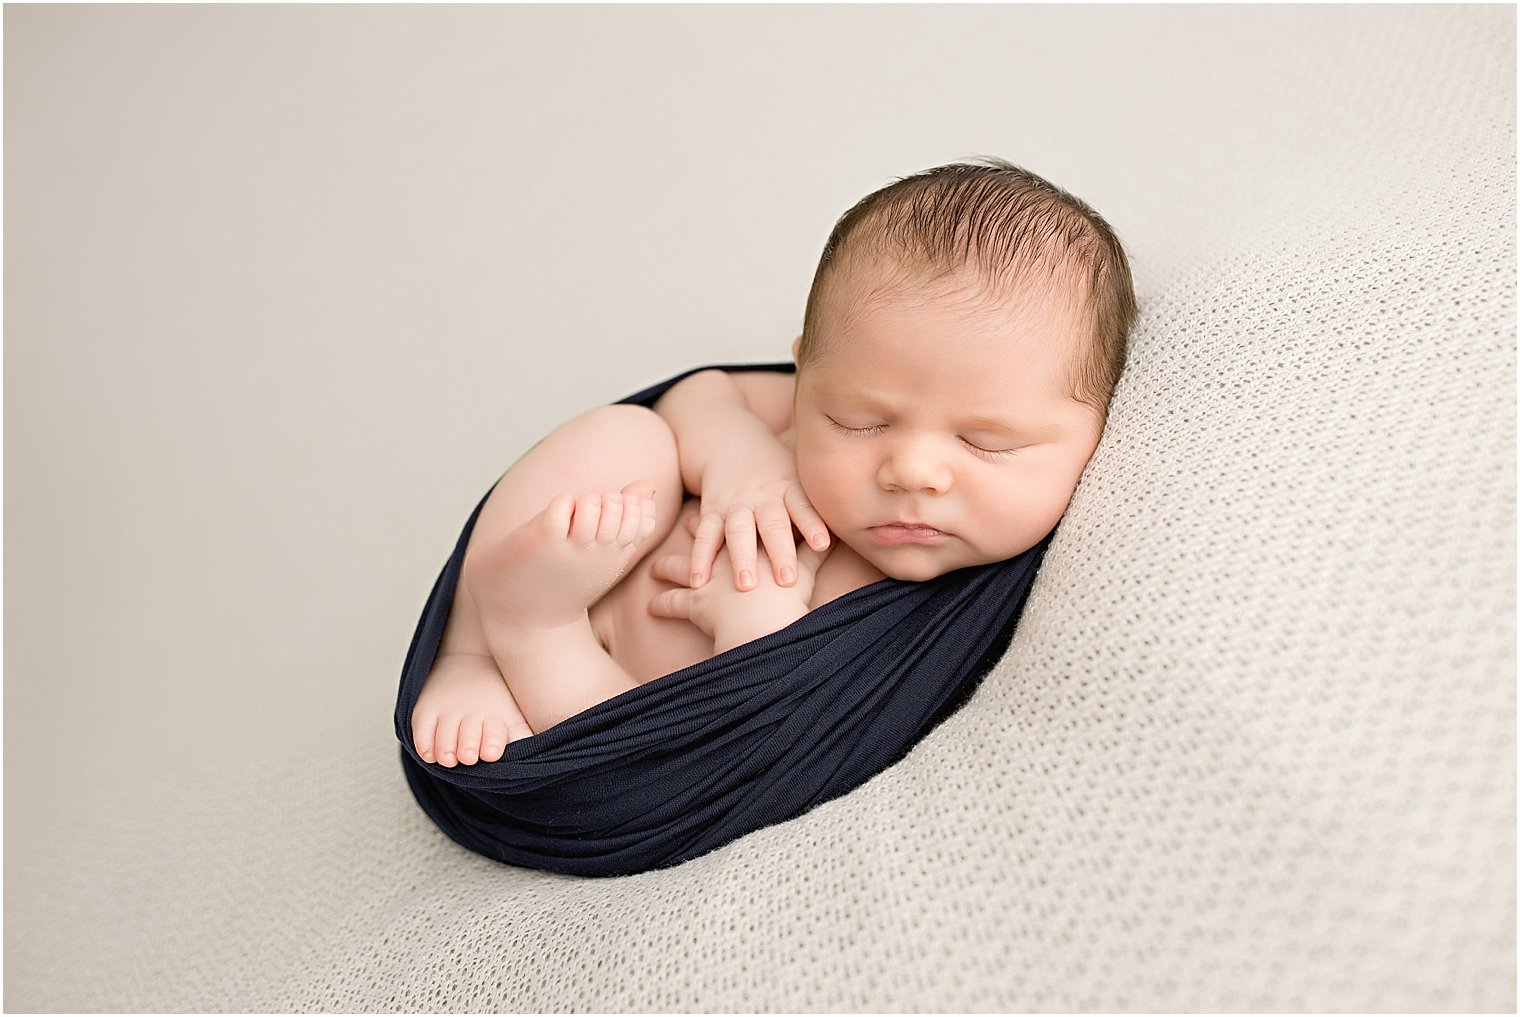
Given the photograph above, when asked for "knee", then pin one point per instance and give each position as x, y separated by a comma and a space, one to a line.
636, 428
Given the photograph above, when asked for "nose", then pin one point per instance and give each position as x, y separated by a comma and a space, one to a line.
913, 464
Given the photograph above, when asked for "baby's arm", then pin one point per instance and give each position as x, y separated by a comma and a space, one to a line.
746, 477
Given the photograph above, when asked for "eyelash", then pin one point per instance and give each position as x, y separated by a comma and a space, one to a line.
991, 453
873, 429
985, 453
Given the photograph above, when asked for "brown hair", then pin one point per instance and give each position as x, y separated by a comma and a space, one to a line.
1004, 221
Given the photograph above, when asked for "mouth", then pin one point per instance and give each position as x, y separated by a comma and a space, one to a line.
906, 533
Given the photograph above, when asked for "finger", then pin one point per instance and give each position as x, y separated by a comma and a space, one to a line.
673, 568
671, 604
612, 518
776, 534
739, 532
691, 523
704, 549
809, 523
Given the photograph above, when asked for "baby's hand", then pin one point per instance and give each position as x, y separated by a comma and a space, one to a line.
734, 514
731, 616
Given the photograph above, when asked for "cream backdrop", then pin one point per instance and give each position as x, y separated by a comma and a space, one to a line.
287, 287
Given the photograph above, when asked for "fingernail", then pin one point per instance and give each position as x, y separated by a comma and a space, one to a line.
788, 577
696, 580
746, 579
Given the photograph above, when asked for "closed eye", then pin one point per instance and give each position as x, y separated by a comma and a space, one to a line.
836, 425
990, 453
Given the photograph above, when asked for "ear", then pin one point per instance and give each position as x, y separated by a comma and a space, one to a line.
796, 345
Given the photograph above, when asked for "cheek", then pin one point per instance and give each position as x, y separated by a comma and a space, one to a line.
827, 475
1015, 509
1048, 497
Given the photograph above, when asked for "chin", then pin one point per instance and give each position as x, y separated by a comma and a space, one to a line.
915, 570
918, 568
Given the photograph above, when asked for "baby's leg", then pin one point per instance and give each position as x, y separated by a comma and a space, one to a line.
559, 529
533, 588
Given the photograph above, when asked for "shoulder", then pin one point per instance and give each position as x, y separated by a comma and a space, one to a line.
843, 571
768, 395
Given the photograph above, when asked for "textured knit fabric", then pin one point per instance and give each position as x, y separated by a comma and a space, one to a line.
1253, 746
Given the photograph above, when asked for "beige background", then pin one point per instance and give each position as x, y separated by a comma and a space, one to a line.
287, 287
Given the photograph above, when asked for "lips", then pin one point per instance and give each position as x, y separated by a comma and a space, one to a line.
906, 533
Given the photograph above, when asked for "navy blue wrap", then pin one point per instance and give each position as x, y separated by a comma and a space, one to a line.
754, 736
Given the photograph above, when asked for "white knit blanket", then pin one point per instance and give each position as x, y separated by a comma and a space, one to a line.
1253, 747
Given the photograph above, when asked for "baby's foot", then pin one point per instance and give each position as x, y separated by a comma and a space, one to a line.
549, 570
465, 713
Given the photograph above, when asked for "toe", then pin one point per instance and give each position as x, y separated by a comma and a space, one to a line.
424, 731
447, 741
556, 518
469, 741
633, 520
517, 728
588, 515
493, 739
612, 518
647, 518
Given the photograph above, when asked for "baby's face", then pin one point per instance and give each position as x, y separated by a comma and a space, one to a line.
937, 431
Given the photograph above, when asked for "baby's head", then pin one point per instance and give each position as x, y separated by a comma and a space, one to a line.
962, 339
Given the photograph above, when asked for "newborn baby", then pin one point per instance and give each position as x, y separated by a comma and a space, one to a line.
964, 332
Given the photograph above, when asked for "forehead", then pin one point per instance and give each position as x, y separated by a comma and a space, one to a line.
946, 336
